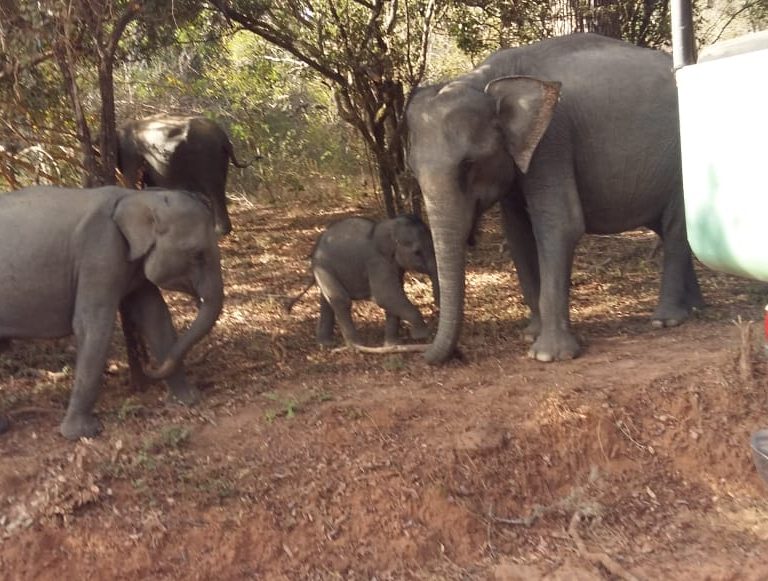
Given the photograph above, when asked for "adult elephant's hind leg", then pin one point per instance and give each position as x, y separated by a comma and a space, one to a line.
135, 348
148, 311
680, 292
391, 329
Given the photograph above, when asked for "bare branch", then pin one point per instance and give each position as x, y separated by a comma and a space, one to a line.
254, 24
13, 68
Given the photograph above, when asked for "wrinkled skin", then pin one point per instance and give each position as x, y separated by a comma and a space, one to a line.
180, 152
572, 135
356, 259
71, 258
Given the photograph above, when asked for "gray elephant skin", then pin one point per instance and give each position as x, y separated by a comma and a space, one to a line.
572, 135
71, 258
359, 259
179, 152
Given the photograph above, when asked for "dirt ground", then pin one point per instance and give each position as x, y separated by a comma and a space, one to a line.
631, 461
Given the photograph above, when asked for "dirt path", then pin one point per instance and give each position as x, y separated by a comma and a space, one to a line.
631, 461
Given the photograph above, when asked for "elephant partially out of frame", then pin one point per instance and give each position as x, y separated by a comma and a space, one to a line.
572, 135
179, 152
71, 259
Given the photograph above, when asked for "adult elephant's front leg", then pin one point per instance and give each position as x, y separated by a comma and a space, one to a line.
93, 327
522, 247
558, 225
147, 311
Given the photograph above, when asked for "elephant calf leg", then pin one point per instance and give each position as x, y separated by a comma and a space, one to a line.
338, 299
325, 323
149, 313
397, 305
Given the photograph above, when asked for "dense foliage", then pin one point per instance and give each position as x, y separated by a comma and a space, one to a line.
318, 88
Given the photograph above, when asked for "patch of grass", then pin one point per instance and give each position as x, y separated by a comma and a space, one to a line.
289, 406
286, 407
171, 438
221, 488
130, 408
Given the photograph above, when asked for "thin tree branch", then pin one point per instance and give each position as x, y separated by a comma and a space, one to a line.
735, 15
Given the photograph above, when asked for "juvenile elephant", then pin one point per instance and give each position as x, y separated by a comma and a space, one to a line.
71, 258
573, 135
182, 152
356, 259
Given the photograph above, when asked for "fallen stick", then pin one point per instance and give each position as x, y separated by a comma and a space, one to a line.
597, 558
413, 348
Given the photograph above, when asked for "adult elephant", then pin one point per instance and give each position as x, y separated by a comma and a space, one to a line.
70, 259
179, 152
573, 134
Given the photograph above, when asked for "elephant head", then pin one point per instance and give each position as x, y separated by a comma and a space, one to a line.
466, 145
407, 241
171, 234
181, 152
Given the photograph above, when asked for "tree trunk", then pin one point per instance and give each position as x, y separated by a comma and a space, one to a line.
66, 66
108, 141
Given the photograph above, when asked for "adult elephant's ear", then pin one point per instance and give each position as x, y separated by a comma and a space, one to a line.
138, 224
524, 106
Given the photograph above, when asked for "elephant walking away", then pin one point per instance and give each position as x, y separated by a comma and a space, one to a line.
179, 152
572, 135
70, 259
359, 259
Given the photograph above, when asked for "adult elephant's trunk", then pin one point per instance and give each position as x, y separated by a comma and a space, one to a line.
211, 302
450, 223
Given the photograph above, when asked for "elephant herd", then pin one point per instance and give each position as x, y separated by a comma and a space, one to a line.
571, 135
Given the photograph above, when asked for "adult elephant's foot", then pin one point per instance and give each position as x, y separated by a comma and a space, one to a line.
554, 347
76, 426
669, 316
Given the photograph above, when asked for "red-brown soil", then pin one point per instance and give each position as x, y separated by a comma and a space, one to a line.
302, 463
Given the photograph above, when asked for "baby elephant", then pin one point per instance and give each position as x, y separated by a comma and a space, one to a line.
356, 259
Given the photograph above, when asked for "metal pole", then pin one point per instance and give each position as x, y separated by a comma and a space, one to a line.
683, 40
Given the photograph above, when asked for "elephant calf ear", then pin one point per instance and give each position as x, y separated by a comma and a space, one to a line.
137, 223
524, 106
